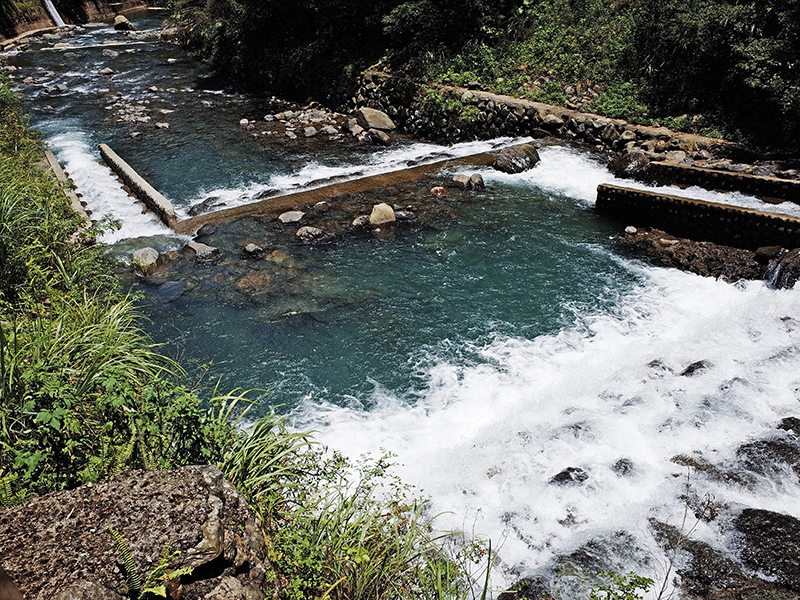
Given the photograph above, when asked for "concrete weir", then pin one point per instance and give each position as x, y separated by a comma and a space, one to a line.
699, 220
667, 173
140, 188
61, 176
306, 197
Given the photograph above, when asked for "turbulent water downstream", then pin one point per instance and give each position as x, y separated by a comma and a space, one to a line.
501, 343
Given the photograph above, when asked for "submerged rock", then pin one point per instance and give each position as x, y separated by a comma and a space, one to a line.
517, 159
169, 291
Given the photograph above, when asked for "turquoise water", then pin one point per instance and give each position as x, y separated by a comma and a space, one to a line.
363, 312
494, 343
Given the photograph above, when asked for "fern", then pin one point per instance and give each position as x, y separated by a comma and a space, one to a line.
156, 581
131, 574
9, 496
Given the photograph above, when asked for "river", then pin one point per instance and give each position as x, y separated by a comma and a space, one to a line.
492, 346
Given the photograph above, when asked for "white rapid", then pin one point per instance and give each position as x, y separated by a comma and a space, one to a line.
103, 193
609, 394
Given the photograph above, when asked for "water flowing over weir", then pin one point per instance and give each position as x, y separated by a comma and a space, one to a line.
545, 391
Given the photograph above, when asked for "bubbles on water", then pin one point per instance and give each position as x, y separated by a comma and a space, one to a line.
610, 402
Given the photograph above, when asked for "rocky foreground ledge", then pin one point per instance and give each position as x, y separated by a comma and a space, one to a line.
58, 547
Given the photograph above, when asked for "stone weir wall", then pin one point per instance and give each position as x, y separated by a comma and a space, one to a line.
73, 12
768, 188
699, 220
450, 115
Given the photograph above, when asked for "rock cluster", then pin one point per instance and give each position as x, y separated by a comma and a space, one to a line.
365, 125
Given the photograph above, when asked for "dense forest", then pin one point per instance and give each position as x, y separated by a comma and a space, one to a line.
719, 67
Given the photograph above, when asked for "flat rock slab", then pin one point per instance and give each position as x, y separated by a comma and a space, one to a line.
62, 539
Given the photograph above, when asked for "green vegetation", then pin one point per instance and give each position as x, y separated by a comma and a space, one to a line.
713, 66
616, 586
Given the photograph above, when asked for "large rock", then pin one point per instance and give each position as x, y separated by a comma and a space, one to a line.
516, 159
146, 260
771, 544
202, 251
630, 163
381, 214
370, 118
784, 271
60, 543
121, 23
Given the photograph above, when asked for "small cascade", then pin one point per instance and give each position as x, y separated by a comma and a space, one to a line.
51, 9
784, 271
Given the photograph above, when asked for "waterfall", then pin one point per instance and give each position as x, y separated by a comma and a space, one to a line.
54, 13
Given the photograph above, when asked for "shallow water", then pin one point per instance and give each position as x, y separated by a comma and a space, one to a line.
493, 344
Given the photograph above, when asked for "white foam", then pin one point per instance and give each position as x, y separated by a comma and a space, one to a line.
485, 438
317, 173
101, 191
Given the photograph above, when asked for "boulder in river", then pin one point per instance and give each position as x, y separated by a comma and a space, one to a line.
570, 476
202, 251
461, 180
381, 214
370, 118
771, 544
516, 159
121, 23
146, 260
310, 234
291, 216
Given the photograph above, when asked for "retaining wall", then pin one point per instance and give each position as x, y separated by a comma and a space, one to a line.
492, 115
699, 220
